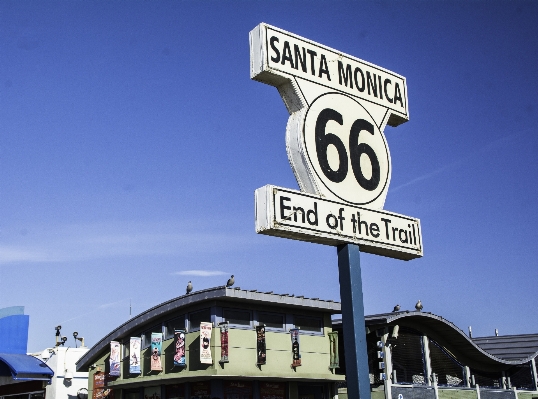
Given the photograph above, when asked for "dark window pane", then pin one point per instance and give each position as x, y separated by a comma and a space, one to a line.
240, 317
171, 325
197, 317
272, 320
308, 323
146, 337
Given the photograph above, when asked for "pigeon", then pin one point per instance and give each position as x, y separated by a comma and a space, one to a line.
396, 308
419, 306
231, 281
189, 287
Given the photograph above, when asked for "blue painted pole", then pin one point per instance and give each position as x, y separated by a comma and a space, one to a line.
349, 268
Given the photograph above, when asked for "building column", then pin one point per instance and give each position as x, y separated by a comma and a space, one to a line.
534, 375
467, 376
427, 360
387, 359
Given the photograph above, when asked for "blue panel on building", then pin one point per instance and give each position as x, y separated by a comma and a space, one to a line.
14, 333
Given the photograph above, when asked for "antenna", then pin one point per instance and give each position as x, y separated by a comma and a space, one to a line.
129, 306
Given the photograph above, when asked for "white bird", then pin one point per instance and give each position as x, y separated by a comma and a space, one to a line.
231, 281
419, 306
396, 308
189, 287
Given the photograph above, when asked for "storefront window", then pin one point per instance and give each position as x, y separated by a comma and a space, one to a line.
272, 390
176, 391
201, 390
311, 392
237, 390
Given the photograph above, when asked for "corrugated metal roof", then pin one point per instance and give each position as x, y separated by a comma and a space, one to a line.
487, 354
510, 347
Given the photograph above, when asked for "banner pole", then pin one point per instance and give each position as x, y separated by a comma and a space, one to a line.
356, 355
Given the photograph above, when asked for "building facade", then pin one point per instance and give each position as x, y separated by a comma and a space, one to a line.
236, 344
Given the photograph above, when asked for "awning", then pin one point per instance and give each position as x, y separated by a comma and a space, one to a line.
24, 367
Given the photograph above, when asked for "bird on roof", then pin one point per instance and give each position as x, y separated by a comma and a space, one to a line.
189, 287
396, 308
231, 281
419, 306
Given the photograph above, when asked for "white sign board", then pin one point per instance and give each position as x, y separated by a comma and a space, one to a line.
289, 213
339, 107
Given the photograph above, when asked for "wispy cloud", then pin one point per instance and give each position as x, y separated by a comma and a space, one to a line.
500, 142
200, 273
84, 242
100, 307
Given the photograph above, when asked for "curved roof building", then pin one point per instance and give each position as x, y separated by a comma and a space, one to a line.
231, 343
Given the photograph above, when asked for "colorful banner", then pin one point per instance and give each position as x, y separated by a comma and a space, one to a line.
272, 390
115, 365
176, 391
260, 344
156, 346
223, 342
237, 389
296, 354
179, 355
205, 343
333, 350
134, 355
200, 390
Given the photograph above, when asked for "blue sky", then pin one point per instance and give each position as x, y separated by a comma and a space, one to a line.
132, 140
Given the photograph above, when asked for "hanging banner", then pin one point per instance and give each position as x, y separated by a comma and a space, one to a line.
223, 342
296, 354
272, 390
179, 355
205, 343
333, 350
115, 369
134, 357
260, 344
156, 346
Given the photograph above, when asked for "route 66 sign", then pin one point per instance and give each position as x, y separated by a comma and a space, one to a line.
339, 106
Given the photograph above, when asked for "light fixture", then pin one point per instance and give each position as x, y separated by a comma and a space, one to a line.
68, 375
81, 339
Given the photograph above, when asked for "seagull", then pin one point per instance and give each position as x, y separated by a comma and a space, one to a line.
396, 308
231, 281
419, 306
189, 287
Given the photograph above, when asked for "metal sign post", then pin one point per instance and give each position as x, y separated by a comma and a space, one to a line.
349, 267
339, 107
